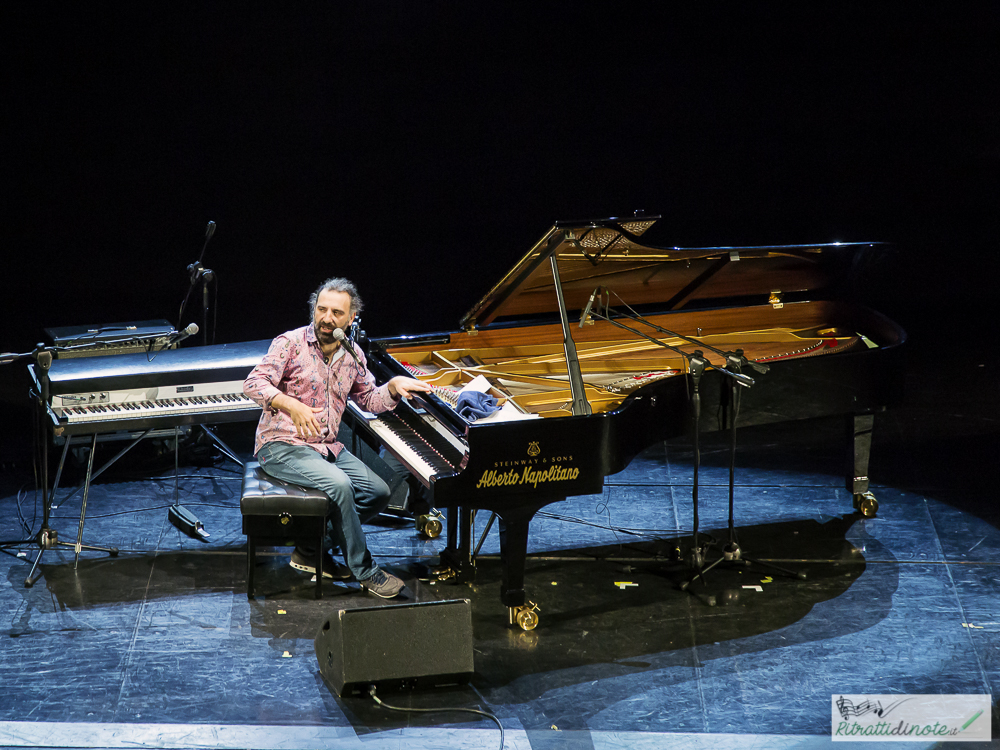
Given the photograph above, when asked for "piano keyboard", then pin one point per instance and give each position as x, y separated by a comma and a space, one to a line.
426, 452
133, 392
157, 402
200, 405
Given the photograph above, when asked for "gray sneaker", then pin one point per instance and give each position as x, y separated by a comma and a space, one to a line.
383, 584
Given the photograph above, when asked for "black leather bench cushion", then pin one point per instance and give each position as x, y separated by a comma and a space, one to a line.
265, 495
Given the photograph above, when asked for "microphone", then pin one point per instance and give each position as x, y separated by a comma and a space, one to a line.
338, 333
191, 330
590, 303
209, 231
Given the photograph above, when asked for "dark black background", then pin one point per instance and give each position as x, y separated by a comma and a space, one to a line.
421, 148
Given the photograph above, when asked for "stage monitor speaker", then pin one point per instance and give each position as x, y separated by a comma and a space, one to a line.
423, 644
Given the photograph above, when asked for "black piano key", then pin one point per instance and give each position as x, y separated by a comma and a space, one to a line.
419, 446
422, 438
439, 442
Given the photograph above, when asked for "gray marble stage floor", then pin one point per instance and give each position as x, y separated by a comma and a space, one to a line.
160, 647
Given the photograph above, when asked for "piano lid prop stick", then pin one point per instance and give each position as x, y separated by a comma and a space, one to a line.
580, 403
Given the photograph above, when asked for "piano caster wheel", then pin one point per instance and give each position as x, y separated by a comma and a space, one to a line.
866, 504
430, 524
525, 616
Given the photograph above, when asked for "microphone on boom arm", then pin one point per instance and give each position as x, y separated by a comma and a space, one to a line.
590, 304
338, 334
191, 330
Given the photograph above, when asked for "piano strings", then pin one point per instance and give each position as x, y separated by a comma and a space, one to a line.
533, 375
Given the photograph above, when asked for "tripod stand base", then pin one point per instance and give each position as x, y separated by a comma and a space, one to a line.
732, 556
49, 539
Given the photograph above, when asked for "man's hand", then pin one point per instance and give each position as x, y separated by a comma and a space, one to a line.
402, 386
303, 417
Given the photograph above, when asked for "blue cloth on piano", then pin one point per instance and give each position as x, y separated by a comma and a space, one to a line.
474, 405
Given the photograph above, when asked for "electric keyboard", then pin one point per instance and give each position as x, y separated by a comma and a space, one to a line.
170, 388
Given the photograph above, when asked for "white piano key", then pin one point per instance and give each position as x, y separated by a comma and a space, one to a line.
112, 412
410, 458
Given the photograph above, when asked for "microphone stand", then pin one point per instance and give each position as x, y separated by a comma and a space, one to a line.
696, 364
197, 273
46, 537
696, 368
757, 366
731, 551
180, 516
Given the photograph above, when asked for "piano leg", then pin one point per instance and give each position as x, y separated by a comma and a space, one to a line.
513, 552
860, 427
456, 558
460, 564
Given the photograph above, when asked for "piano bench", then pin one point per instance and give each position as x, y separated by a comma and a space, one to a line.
281, 514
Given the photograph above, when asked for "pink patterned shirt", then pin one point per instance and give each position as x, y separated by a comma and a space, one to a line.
294, 365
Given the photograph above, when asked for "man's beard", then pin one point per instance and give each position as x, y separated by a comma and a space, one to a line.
322, 336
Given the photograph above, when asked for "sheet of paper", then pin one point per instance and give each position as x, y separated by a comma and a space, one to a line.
506, 413
479, 383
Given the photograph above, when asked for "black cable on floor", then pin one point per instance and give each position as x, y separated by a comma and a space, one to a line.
25, 526
488, 715
649, 533
143, 510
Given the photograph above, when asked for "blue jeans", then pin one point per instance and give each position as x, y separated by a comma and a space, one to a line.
356, 495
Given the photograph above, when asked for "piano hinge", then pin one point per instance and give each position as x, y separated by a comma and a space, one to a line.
775, 300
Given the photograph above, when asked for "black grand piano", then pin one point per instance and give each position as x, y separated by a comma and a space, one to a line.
568, 342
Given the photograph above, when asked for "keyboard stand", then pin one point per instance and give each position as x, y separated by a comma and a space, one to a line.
220, 444
200, 372
48, 537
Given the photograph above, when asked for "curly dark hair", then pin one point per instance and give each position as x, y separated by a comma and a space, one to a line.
336, 284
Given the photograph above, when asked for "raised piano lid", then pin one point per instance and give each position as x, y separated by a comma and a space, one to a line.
609, 253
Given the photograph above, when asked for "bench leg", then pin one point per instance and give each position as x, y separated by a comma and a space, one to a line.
319, 560
251, 564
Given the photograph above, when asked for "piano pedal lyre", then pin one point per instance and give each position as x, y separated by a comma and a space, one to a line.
525, 616
439, 574
866, 504
430, 524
